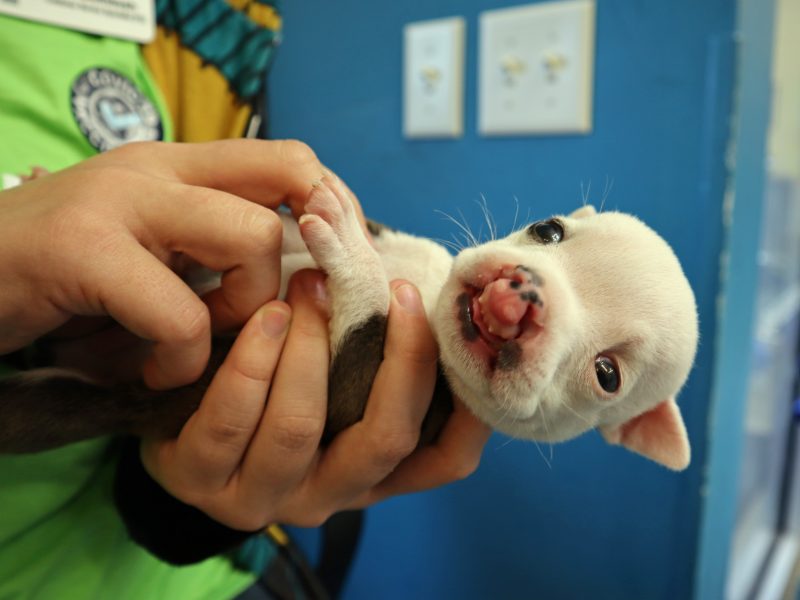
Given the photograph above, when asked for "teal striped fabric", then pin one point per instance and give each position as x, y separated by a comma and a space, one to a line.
223, 37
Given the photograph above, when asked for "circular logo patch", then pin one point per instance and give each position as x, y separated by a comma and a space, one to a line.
111, 111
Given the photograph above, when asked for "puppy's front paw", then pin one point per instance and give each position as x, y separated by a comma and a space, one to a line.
330, 227
357, 280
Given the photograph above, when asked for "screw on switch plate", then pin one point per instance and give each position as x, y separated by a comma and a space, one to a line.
536, 69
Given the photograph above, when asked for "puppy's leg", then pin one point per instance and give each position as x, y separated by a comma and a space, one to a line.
359, 292
47, 408
357, 280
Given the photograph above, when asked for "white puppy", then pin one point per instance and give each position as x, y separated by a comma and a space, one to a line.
577, 322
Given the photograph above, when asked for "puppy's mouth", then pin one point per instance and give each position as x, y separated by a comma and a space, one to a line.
501, 312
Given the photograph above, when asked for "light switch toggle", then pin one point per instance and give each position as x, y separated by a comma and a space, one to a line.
554, 64
431, 77
513, 67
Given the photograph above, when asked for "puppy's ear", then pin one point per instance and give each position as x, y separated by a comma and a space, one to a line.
659, 434
587, 210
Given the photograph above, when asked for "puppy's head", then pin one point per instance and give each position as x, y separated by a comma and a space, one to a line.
572, 323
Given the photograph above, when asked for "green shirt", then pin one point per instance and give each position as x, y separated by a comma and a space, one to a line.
60, 536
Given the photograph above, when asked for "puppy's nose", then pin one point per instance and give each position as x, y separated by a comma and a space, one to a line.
505, 303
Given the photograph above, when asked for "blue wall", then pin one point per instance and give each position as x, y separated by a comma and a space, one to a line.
595, 522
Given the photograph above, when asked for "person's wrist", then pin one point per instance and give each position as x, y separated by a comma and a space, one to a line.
168, 528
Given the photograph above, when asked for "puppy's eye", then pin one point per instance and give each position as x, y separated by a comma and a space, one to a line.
608, 375
547, 232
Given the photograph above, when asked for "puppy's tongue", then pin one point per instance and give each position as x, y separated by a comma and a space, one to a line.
502, 309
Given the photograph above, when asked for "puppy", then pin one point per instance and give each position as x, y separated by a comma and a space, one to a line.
572, 323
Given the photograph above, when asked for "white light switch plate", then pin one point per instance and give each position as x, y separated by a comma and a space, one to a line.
433, 78
536, 69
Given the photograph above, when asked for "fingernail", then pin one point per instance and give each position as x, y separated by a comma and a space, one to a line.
274, 321
408, 297
326, 172
315, 287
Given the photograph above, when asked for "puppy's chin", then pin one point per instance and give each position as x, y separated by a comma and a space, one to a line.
512, 405
516, 417
509, 331
523, 412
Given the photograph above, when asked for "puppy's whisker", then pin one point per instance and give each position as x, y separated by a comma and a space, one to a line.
487, 215
606, 192
509, 404
547, 431
454, 246
506, 408
466, 241
516, 214
544, 458
506, 443
585, 194
566, 405
482, 205
475, 240
467, 232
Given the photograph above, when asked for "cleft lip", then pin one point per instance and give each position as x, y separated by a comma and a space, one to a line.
506, 301
497, 352
484, 329
479, 346
530, 324
469, 330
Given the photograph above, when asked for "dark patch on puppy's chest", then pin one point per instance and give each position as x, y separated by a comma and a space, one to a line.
352, 373
357, 359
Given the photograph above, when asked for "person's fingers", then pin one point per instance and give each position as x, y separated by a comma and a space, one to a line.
211, 445
364, 454
152, 302
404, 383
286, 442
220, 231
269, 172
454, 456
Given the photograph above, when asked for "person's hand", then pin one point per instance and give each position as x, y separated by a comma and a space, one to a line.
250, 455
104, 238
